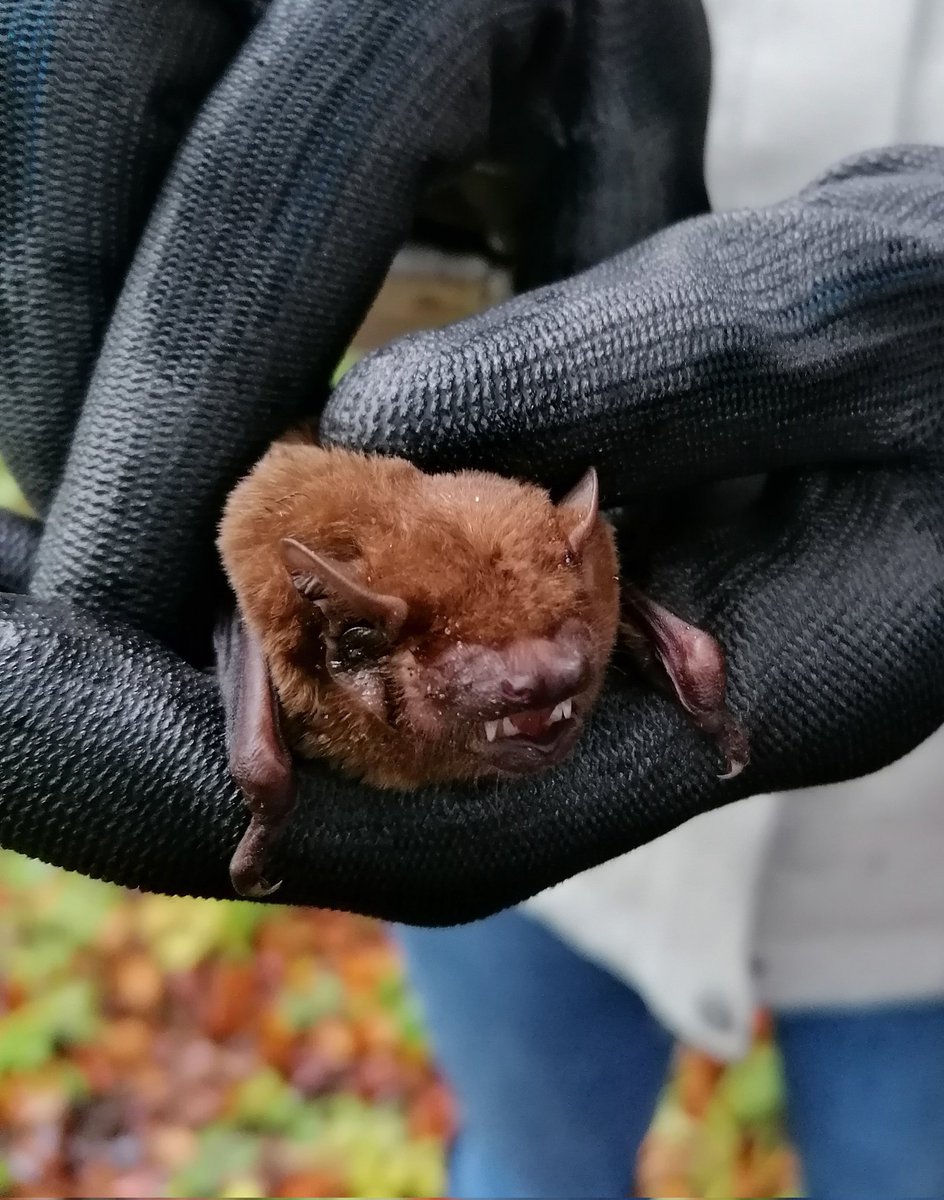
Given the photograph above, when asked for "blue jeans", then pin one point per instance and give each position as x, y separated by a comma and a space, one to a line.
558, 1066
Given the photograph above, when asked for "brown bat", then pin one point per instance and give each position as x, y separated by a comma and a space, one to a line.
412, 628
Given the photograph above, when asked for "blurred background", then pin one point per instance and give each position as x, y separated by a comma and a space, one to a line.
158, 1046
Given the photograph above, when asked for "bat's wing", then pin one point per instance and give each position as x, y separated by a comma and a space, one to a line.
694, 669
260, 761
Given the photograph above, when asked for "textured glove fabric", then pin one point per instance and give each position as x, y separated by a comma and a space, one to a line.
294, 188
95, 96
804, 334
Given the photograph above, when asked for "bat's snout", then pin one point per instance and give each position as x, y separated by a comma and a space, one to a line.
520, 705
541, 673
487, 682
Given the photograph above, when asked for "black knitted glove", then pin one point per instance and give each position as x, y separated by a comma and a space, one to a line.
805, 336
804, 342
297, 182
307, 138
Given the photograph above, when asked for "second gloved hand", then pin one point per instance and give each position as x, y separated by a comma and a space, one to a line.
805, 342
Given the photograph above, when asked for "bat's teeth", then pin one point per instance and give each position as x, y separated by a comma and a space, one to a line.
534, 723
561, 712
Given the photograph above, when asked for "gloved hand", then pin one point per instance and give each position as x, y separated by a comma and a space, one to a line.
804, 342
305, 137
271, 233
307, 160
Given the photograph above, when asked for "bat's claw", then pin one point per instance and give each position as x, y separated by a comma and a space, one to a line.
258, 890
248, 883
733, 744
246, 865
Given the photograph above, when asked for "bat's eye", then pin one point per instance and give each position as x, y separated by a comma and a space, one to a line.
359, 644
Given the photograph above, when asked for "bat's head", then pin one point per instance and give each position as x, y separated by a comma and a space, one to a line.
423, 627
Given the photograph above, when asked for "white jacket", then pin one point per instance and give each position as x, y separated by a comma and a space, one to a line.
833, 895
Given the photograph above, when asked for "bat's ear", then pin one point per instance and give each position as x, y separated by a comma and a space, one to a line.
582, 502
315, 575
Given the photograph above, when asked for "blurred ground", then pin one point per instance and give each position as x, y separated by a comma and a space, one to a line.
156, 1046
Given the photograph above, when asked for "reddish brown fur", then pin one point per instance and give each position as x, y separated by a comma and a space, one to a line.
477, 558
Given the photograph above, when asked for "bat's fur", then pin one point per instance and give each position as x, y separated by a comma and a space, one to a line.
479, 561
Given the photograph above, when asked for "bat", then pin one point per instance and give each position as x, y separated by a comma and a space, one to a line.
414, 628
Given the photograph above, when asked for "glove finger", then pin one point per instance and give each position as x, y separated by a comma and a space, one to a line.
274, 231
809, 333
296, 186
615, 151
97, 96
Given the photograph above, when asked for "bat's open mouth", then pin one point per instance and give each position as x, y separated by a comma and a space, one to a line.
532, 739
531, 723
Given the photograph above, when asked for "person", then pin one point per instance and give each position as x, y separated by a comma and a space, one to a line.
198, 204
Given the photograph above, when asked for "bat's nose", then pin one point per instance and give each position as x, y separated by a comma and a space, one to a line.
541, 672
526, 682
